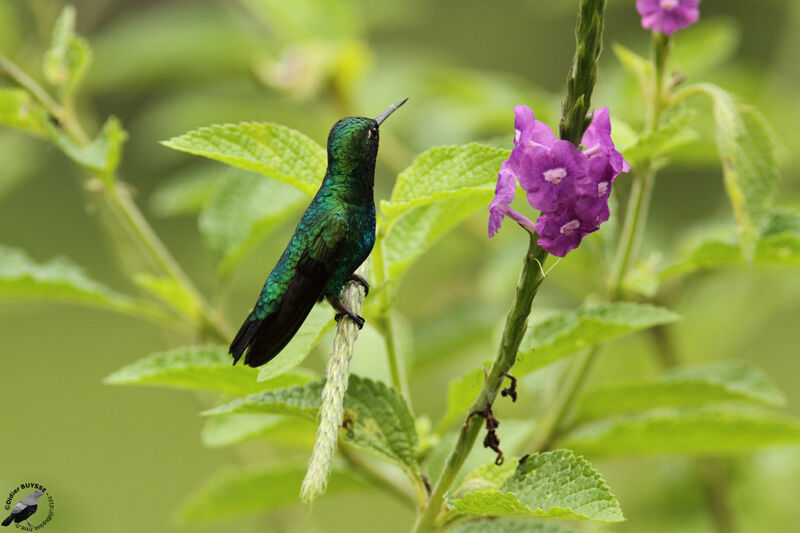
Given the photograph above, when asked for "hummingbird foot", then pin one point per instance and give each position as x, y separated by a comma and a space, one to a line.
339, 306
361, 281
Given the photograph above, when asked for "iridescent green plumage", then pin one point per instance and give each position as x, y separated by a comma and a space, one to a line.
334, 236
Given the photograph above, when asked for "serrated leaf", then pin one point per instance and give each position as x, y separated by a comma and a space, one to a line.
508, 525
445, 173
699, 431
382, 423
749, 163
244, 209
302, 401
254, 490
102, 154
225, 430
555, 484
319, 321
62, 281
18, 109
419, 229
670, 134
69, 56
276, 151
201, 368
572, 331
685, 387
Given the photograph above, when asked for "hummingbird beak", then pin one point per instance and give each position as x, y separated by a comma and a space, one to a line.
383, 116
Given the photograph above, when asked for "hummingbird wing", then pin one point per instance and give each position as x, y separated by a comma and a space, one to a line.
268, 336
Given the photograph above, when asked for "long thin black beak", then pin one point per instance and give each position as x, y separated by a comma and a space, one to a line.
383, 116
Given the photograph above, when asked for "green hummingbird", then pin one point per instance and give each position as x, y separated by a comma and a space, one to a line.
334, 236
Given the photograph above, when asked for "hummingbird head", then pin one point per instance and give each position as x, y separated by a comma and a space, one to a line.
353, 143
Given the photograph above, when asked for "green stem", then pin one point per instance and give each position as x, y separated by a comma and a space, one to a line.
632, 230
55, 109
374, 477
515, 327
145, 237
548, 429
123, 207
384, 323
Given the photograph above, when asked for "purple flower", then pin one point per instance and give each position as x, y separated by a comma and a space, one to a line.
548, 175
569, 186
561, 232
504, 193
668, 16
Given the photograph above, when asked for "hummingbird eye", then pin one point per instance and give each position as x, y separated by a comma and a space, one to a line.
371, 132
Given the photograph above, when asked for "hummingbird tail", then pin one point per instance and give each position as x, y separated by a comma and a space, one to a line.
244, 337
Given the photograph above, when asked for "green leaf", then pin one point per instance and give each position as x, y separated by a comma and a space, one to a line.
172, 293
254, 490
569, 332
225, 430
61, 281
301, 401
779, 245
68, 59
670, 134
243, 210
445, 173
508, 525
691, 431
749, 163
418, 230
276, 151
382, 423
636, 65
18, 109
555, 484
202, 368
691, 386
318, 322
102, 154
461, 392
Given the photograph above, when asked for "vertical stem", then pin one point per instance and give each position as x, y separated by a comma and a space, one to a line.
515, 327
384, 323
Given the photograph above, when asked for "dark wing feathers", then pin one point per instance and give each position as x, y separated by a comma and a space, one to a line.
268, 336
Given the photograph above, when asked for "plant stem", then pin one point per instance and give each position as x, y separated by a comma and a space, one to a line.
121, 204
374, 476
384, 323
633, 228
515, 327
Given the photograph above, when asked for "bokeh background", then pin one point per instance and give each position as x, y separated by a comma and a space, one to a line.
122, 459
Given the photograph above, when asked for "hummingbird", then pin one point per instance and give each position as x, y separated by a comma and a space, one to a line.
334, 236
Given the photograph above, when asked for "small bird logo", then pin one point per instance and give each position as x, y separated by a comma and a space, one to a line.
334, 236
24, 509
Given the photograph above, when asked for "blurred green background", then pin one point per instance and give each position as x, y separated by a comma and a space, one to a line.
121, 459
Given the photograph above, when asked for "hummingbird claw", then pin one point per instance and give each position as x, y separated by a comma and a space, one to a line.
361, 281
352, 316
